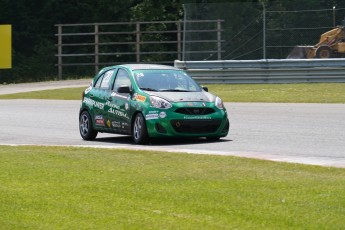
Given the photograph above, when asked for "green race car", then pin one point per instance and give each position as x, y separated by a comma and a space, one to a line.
148, 101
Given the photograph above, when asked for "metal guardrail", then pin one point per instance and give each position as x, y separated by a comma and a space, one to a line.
265, 70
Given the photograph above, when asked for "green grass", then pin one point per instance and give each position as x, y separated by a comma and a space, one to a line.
58, 94
285, 93
84, 188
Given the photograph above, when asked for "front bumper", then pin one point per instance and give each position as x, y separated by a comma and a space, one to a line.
169, 123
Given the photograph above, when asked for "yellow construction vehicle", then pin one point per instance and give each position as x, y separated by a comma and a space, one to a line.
331, 45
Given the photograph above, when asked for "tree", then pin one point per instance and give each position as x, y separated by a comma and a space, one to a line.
34, 31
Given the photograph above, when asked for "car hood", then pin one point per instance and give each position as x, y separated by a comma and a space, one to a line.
184, 96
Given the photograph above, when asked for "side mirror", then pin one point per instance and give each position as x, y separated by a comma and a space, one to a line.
205, 88
124, 89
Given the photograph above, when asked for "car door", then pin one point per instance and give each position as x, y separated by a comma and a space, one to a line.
99, 95
117, 105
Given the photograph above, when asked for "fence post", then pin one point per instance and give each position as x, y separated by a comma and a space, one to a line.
263, 30
334, 22
179, 40
219, 38
59, 52
96, 49
184, 32
138, 41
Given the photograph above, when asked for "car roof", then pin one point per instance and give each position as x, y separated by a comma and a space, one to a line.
132, 67
148, 66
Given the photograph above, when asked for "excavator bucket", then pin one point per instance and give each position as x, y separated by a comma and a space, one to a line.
299, 52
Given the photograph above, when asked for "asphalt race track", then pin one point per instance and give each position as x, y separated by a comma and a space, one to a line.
300, 133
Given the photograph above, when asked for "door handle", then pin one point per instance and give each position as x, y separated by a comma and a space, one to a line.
91, 96
109, 98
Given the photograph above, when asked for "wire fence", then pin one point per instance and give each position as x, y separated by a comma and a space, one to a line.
208, 31
256, 31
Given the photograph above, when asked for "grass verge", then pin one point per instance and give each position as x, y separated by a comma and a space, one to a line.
84, 188
56, 94
285, 93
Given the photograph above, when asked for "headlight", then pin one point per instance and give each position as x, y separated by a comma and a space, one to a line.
159, 103
219, 103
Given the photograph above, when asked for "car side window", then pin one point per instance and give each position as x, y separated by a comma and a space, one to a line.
122, 78
98, 82
107, 79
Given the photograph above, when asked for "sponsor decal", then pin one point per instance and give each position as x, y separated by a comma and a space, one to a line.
99, 120
197, 118
118, 113
139, 75
189, 104
112, 105
108, 123
139, 97
116, 124
114, 94
162, 115
124, 125
122, 96
151, 116
195, 104
93, 103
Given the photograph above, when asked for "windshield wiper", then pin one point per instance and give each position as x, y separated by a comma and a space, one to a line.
148, 89
175, 90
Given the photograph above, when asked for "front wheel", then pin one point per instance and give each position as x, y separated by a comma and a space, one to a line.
139, 130
324, 52
85, 127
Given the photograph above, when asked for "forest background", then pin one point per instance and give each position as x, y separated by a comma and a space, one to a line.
33, 24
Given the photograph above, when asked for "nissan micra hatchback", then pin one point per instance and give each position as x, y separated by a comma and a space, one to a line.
150, 101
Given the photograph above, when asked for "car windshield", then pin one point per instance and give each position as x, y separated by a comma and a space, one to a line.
165, 80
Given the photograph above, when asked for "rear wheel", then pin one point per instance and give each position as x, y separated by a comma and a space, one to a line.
324, 52
139, 130
85, 127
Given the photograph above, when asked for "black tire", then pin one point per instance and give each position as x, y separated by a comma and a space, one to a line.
139, 130
324, 52
85, 127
